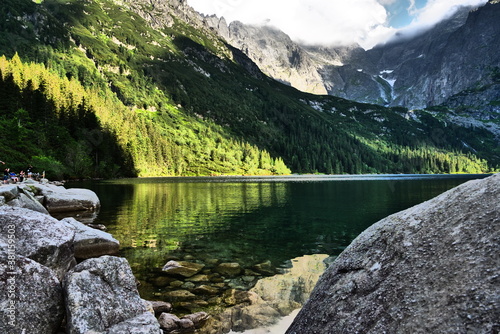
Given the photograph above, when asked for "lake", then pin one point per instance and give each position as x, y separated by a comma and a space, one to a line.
247, 220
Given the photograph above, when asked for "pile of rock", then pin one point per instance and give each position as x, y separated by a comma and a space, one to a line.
197, 283
48, 198
240, 298
43, 289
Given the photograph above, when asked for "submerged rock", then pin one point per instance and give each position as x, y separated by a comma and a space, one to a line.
265, 268
101, 295
430, 269
229, 269
182, 268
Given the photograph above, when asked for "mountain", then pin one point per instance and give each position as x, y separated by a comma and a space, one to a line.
108, 88
458, 56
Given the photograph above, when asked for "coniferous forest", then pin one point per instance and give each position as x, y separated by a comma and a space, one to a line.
92, 89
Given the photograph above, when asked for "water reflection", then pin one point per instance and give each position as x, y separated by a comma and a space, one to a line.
248, 221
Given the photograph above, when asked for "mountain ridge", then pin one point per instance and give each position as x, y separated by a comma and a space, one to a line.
410, 71
178, 99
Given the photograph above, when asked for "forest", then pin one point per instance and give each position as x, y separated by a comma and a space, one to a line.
107, 95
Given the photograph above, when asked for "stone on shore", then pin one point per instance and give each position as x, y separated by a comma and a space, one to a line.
187, 324
35, 291
101, 295
39, 237
21, 197
60, 199
433, 268
160, 307
168, 322
9, 192
144, 323
89, 242
26, 200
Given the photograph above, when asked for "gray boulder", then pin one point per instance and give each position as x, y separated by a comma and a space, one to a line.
28, 201
60, 199
90, 242
39, 237
144, 323
430, 269
31, 299
101, 295
9, 191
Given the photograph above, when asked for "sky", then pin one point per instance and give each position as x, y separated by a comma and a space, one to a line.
337, 22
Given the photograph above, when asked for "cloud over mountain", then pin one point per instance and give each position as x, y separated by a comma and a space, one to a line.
333, 22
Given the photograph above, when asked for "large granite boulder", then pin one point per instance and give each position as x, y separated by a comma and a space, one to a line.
39, 237
60, 199
31, 299
101, 295
433, 268
90, 242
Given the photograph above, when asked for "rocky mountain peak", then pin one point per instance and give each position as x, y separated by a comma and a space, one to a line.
412, 70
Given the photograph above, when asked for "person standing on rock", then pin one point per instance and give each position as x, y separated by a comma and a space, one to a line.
6, 175
29, 171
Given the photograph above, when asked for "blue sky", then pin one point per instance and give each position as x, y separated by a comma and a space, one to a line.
337, 22
399, 12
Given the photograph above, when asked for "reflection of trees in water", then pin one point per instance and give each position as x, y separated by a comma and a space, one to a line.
165, 215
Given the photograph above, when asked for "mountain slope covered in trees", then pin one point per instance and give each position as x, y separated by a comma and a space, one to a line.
114, 88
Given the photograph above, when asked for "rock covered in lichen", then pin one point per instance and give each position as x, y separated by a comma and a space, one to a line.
39, 237
31, 299
101, 294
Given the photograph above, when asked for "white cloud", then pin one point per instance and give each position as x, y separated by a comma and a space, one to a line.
437, 10
434, 12
330, 22
386, 2
309, 21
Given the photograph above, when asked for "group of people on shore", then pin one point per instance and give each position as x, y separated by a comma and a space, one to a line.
9, 176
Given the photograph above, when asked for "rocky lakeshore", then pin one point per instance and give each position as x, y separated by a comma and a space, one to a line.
60, 276
437, 261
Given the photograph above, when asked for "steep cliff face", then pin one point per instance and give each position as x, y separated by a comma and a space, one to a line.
459, 56
275, 54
